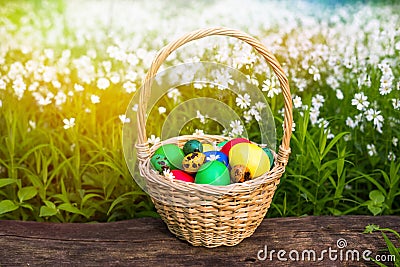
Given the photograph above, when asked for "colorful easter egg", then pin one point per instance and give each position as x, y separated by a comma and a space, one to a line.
192, 146
173, 153
251, 156
182, 176
216, 155
213, 173
192, 162
227, 147
208, 147
270, 156
221, 144
240, 174
160, 163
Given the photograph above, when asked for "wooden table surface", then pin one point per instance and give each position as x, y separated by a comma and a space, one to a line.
147, 242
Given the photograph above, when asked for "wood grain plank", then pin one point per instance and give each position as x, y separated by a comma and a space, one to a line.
147, 242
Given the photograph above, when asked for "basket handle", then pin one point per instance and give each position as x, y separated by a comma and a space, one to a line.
284, 149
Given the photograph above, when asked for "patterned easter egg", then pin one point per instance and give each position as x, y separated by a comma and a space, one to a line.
192, 146
240, 174
160, 163
251, 156
192, 162
173, 153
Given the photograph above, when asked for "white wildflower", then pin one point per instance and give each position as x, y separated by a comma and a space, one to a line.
351, 123
201, 117
371, 150
270, 86
60, 98
396, 103
198, 132
78, 87
19, 87
237, 127
339, 94
103, 83
254, 112
376, 117
360, 101
69, 123
317, 101
124, 119
168, 174
174, 94
115, 78
95, 99
315, 72
129, 87
3, 84
260, 105
162, 110
395, 141
391, 156
385, 86
32, 125
243, 101
153, 139
297, 102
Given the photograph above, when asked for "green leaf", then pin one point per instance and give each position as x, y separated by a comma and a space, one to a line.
47, 212
392, 249
50, 204
374, 209
26, 205
332, 143
27, 193
7, 206
89, 196
70, 208
122, 198
6, 181
335, 212
370, 228
376, 196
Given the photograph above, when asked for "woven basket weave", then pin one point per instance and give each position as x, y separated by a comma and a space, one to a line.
207, 215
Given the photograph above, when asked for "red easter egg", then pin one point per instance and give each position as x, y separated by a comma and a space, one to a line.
183, 176
227, 147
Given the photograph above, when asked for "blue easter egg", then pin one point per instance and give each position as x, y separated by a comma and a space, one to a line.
217, 155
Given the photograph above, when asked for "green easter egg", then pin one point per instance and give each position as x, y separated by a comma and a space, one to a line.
173, 153
192, 146
270, 156
222, 143
160, 162
213, 173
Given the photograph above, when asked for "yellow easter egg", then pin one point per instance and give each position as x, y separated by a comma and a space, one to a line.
251, 156
208, 147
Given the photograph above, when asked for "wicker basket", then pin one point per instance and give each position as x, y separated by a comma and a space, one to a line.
207, 215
